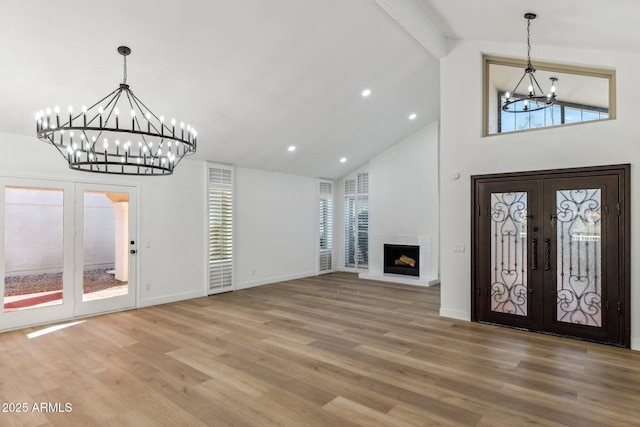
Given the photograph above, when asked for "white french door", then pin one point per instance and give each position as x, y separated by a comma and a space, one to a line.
105, 248
36, 251
67, 250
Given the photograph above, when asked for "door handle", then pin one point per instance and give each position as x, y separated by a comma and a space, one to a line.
547, 254
554, 221
534, 254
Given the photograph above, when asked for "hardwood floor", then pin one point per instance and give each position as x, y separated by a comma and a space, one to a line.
323, 351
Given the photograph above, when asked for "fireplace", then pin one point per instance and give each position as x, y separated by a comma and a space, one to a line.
402, 259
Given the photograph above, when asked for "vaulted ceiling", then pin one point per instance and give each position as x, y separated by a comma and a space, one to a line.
255, 77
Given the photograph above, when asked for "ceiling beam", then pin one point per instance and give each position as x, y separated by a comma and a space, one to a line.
417, 24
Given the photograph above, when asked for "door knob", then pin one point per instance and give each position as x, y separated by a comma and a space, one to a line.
133, 251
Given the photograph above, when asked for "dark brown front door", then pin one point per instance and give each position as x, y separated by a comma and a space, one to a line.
550, 252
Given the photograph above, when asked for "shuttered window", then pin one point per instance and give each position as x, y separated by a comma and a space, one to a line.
356, 221
220, 212
325, 206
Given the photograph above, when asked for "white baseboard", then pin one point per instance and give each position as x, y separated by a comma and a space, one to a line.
635, 344
455, 314
170, 298
269, 280
398, 278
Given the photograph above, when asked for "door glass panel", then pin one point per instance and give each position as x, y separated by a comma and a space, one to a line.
106, 240
579, 257
509, 253
34, 251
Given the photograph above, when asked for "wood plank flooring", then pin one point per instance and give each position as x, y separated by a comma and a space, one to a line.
323, 351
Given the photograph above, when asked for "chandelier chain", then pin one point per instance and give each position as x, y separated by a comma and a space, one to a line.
124, 80
529, 43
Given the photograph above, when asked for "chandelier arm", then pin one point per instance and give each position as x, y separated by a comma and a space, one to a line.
102, 100
77, 116
533, 82
135, 117
162, 125
538, 85
191, 142
515, 89
131, 97
58, 147
113, 101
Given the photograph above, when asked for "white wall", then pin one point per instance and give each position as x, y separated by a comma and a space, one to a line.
276, 235
171, 216
463, 150
172, 227
403, 201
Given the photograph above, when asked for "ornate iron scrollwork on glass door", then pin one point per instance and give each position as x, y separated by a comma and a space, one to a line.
509, 253
579, 287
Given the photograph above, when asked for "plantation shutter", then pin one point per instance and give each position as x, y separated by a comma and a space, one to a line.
220, 212
349, 222
356, 221
363, 220
326, 226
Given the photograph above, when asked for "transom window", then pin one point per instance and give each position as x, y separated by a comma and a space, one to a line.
583, 95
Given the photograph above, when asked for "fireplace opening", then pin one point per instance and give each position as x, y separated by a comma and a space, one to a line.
402, 259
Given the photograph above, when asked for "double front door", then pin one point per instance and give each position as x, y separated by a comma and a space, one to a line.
551, 252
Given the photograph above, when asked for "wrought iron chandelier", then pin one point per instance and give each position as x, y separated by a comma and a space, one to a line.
535, 98
99, 139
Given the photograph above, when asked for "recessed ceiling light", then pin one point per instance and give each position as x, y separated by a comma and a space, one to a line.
292, 148
366, 92
342, 160
412, 116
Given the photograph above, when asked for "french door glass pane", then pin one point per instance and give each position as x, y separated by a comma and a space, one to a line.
579, 287
33, 248
106, 240
509, 253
